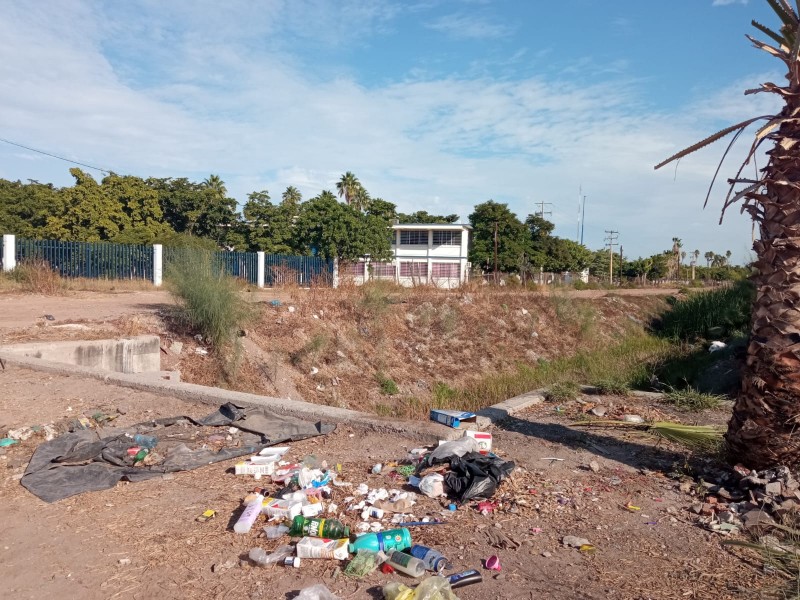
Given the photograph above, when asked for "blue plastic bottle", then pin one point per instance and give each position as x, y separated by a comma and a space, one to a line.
385, 541
433, 560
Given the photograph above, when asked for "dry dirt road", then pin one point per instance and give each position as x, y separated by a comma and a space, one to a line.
141, 540
24, 310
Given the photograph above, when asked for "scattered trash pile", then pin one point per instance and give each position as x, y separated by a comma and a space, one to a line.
754, 502
92, 457
308, 510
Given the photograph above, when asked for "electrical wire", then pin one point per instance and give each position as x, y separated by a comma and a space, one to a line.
74, 162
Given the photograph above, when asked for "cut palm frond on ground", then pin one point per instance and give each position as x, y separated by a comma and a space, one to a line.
699, 438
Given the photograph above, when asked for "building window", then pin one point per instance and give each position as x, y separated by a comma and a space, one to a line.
383, 270
446, 238
414, 238
356, 269
445, 270
414, 269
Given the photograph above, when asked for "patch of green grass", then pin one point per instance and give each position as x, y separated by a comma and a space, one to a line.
573, 312
443, 395
704, 314
313, 347
562, 392
384, 410
612, 387
387, 385
690, 399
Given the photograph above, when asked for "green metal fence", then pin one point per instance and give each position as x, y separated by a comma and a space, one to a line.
95, 260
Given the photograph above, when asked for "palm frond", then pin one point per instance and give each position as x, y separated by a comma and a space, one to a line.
710, 140
767, 31
782, 54
780, 7
695, 437
719, 165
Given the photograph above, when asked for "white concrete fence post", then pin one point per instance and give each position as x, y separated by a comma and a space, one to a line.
158, 264
260, 276
9, 252
335, 278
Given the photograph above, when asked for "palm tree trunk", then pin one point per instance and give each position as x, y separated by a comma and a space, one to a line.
764, 428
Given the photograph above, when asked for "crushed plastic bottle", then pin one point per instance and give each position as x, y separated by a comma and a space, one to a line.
432, 588
260, 556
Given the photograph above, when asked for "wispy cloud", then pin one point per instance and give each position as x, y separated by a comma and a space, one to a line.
463, 26
727, 2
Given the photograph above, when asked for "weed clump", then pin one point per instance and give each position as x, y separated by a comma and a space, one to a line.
612, 387
38, 277
208, 300
562, 392
387, 385
692, 400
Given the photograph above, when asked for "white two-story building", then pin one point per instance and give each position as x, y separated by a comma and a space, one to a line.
424, 253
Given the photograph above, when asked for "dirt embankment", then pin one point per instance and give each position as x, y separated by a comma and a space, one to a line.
383, 349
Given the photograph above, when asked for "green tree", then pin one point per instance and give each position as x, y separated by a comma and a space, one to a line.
513, 238
565, 255
85, 213
25, 208
291, 196
145, 223
422, 216
328, 228
709, 256
383, 209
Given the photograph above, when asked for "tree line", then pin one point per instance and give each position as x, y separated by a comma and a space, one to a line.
347, 223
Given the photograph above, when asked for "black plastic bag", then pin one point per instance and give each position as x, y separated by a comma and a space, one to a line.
474, 476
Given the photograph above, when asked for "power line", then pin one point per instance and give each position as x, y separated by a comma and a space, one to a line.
74, 162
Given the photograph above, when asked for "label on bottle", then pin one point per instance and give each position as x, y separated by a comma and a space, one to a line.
315, 527
400, 558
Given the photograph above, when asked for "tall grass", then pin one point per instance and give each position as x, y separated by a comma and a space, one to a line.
38, 277
632, 360
702, 313
209, 301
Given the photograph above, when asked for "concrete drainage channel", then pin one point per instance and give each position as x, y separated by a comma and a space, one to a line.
136, 363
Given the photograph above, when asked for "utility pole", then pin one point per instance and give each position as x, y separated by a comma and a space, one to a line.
583, 215
620, 264
495, 252
541, 212
611, 241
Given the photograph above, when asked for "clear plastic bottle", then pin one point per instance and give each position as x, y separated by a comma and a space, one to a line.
260, 556
433, 560
405, 563
250, 514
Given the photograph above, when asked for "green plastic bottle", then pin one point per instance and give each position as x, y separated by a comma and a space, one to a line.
385, 541
322, 528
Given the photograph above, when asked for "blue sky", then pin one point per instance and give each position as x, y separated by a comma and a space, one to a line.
433, 104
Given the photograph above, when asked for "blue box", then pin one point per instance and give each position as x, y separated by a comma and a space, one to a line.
453, 418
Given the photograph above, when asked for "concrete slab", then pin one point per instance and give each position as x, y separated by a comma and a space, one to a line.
139, 354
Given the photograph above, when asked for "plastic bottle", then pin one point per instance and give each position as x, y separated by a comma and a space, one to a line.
260, 556
433, 560
250, 514
323, 528
145, 441
464, 578
405, 563
385, 541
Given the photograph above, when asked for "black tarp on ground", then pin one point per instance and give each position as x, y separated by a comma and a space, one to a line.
84, 461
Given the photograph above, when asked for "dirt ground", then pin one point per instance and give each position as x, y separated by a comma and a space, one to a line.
73, 548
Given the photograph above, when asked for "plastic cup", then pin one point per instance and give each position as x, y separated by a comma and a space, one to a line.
493, 563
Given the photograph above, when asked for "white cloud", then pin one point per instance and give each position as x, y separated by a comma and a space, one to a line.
212, 98
463, 26
727, 2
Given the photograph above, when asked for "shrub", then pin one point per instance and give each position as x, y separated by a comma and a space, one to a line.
38, 277
208, 300
561, 392
723, 311
612, 387
387, 385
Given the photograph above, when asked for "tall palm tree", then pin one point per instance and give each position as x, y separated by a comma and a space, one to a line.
728, 254
214, 182
292, 196
763, 429
709, 256
361, 200
348, 187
